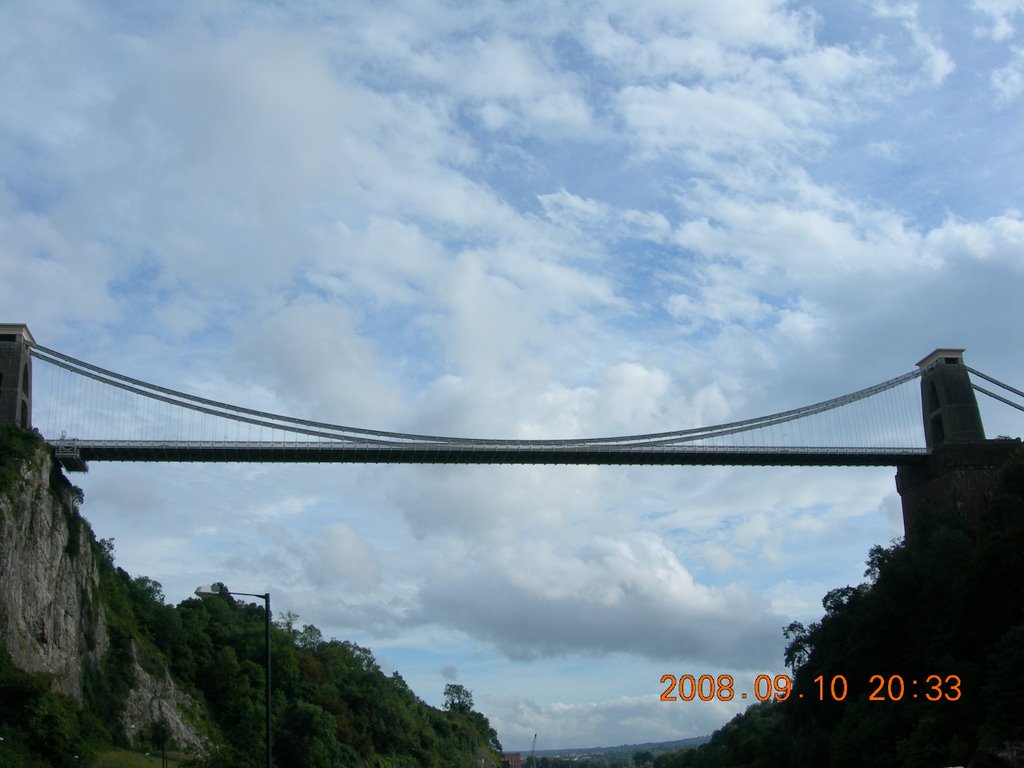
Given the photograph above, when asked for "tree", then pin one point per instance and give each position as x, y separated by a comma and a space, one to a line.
310, 638
642, 758
457, 698
798, 650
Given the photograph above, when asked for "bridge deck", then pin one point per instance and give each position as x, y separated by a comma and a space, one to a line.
75, 455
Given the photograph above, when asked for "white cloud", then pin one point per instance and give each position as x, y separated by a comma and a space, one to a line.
342, 557
628, 595
999, 239
1008, 81
287, 507
1000, 15
493, 504
737, 25
45, 273
937, 63
888, 150
704, 124
829, 71
300, 339
632, 394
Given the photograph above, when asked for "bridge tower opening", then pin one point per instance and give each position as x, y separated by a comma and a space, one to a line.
15, 375
948, 404
962, 469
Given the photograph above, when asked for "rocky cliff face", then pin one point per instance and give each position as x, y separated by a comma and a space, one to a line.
156, 699
51, 619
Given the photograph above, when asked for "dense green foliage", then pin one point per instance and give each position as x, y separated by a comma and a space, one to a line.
949, 604
332, 704
39, 727
17, 446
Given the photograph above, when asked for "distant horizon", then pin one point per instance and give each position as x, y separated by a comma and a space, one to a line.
619, 748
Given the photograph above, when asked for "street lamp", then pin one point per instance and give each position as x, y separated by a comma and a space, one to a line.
209, 590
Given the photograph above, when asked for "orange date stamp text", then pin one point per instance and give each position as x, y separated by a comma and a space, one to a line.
836, 688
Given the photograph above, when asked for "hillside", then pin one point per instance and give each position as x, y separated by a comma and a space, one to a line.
920, 665
92, 657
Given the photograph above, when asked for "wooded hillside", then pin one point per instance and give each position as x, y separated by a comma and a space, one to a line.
332, 704
930, 646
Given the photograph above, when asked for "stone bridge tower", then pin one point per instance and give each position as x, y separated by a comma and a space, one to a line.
948, 404
15, 375
962, 469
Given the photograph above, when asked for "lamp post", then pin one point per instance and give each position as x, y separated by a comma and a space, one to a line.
210, 590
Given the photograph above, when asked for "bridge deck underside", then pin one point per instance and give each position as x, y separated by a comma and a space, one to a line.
75, 455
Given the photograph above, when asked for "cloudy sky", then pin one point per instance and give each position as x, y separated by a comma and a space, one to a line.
526, 219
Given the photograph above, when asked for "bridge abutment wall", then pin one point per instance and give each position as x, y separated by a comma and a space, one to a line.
961, 476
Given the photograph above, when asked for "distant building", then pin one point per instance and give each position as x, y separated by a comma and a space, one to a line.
511, 760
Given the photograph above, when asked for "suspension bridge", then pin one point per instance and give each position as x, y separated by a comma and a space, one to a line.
88, 413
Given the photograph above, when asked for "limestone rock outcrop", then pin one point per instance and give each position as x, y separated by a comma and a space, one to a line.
51, 619
155, 699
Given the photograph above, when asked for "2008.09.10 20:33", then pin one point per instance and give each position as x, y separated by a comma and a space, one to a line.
836, 688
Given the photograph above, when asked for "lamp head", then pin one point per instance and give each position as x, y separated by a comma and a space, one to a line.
208, 590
